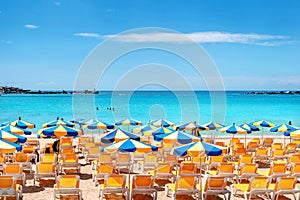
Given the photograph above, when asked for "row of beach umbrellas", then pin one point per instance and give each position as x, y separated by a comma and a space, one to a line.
12, 131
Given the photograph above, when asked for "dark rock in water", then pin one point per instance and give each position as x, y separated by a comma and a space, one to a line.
274, 92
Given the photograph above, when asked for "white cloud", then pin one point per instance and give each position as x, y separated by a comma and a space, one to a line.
31, 26
202, 37
93, 35
57, 3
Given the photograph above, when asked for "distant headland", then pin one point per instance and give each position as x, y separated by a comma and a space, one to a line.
16, 90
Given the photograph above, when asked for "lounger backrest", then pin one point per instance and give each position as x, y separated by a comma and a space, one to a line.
22, 157
115, 181
246, 159
249, 168
163, 168
278, 168
12, 169
186, 182
225, 168
215, 183
48, 158
259, 182
67, 181
106, 168
285, 183
187, 168
143, 181
45, 168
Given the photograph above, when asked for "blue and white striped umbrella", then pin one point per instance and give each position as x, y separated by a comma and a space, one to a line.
176, 137
162, 123
129, 145
117, 136
198, 149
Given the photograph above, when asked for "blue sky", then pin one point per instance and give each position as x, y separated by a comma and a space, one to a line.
255, 44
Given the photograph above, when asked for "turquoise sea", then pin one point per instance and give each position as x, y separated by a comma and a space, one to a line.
179, 107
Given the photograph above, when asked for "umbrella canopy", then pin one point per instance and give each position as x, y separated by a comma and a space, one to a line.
198, 149
58, 122
176, 137
9, 147
158, 131
21, 124
283, 128
191, 126
234, 129
15, 130
263, 123
295, 134
59, 131
90, 121
249, 127
128, 122
117, 136
162, 123
11, 137
213, 125
100, 125
144, 128
129, 145
77, 121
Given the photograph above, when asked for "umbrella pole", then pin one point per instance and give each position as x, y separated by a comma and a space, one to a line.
262, 135
245, 140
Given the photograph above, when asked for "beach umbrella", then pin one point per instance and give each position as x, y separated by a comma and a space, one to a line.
77, 121
212, 126
100, 125
157, 131
128, 122
144, 128
263, 123
117, 136
58, 122
284, 128
162, 123
234, 129
129, 145
176, 137
198, 149
15, 130
249, 127
90, 121
11, 137
59, 131
191, 126
9, 147
21, 124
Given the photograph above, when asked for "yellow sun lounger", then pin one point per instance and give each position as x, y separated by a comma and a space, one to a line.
113, 183
67, 185
9, 188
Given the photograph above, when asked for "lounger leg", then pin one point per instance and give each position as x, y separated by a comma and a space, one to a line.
166, 191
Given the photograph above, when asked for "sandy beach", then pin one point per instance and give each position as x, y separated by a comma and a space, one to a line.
45, 190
